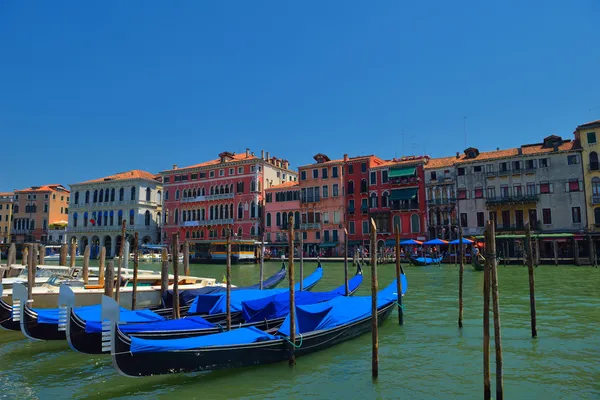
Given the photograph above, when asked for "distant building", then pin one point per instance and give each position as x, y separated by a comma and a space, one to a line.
6, 216
37, 207
281, 201
440, 184
588, 135
100, 205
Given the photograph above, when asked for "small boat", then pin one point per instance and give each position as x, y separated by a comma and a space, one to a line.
262, 313
45, 273
477, 265
423, 261
241, 251
319, 326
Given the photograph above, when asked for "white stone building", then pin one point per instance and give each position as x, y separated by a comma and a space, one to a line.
99, 206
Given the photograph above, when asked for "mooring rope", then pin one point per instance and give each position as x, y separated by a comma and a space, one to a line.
293, 344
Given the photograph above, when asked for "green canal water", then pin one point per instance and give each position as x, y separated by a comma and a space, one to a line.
427, 358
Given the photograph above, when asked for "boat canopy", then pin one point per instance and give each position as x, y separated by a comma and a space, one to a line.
187, 323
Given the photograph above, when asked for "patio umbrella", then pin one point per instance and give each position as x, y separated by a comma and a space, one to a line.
410, 241
435, 242
463, 241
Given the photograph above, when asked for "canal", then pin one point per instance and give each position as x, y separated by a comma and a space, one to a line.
427, 358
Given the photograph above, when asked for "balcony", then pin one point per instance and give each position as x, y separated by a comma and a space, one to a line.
222, 196
109, 204
505, 200
225, 221
510, 228
595, 199
413, 205
490, 174
441, 202
530, 170
310, 225
505, 172
91, 229
405, 180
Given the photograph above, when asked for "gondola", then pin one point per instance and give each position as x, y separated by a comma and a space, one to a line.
424, 261
46, 328
319, 326
259, 313
477, 266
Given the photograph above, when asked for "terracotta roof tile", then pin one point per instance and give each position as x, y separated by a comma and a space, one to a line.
283, 185
44, 188
234, 157
4, 194
591, 124
133, 174
323, 163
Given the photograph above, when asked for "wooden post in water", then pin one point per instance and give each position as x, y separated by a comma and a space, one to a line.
175, 257
487, 391
12, 255
347, 291
73, 254
292, 358
121, 262
164, 273
302, 265
25, 259
399, 277
374, 325
531, 284
41, 254
136, 265
576, 251
186, 258
555, 247
63, 255
31, 269
101, 266
461, 275
262, 260
496, 306
86, 265
228, 278
110, 278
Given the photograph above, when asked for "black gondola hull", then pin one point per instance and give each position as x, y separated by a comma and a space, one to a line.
6, 321
238, 356
39, 331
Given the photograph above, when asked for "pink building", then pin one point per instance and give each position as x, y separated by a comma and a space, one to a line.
280, 201
322, 206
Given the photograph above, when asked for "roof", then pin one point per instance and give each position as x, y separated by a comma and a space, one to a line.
404, 161
231, 158
289, 184
592, 124
44, 188
4, 194
339, 161
120, 176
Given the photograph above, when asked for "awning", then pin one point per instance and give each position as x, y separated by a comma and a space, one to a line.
402, 172
328, 245
403, 194
355, 242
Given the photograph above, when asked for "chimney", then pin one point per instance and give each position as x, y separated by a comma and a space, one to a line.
174, 166
262, 154
457, 154
247, 152
520, 151
267, 156
345, 157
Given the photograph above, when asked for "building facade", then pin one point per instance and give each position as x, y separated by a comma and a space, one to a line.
322, 206
36, 208
588, 135
440, 186
202, 200
6, 216
281, 201
99, 207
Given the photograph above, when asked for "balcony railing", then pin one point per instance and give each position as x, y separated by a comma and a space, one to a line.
310, 199
523, 199
437, 202
90, 228
224, 221
310, 225
221, 196
530, 170
405, 206
504, 172
510, 228
405, 180
110, 203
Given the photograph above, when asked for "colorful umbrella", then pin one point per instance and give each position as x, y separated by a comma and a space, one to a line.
463, 241
410, 241
435, 242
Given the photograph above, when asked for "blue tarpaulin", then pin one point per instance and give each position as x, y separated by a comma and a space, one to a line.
186, 323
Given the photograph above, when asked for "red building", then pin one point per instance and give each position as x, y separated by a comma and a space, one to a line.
201, 200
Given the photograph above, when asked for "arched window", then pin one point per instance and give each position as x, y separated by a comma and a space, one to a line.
106, 196
223, 232
253, 209
211, 213
240, 232
231, 210
131, 217
95, 196
373, 200
193, 215
415, 225
75, 220
112, 194
363, 186
231, 188
203, 214
76, 197
148, 193
252, 230
226, 188
202, 234
176, 216
183, 216
101, 196
268, 219
99, 218
226, 211
594, 161
297, 220
203, 192
194, 193
385, 200
221, 213
351, 187
177, 194
222, 190
284, 220
240, 211
132, 193
212, 190
278, 219
253, 186
87, 197
147, 218
120, 217
85, 218
397, 223
121, 194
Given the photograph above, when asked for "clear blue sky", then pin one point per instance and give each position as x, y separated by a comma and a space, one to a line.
87, 90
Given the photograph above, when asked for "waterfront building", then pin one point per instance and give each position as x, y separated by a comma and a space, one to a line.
36, 208
281, 201
588, 135
440, 185
322, 206
6, 216
202, 200
99, 207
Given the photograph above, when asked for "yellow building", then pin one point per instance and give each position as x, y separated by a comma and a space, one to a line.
589, 137
6, 209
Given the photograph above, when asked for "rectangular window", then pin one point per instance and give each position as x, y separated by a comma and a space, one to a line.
326, 235
531, 189
335, 190
303, 175
253, 168
231, 171
194, 176
324, 173
477, 169
546, 188
351, 206
326, 217
547, 216
576, 215
478, 193
591, 137
544, 162
240, 170
572, 159
351, 228
460, 171
46, 208
350, 169
365, 227
315, 173
363, 167
336, 217
489, 168
573, 185
504, 193
516, 165
480, 219
517, 190
506, 218
318, 235
211, 174
503, 167
384, 176
491, 192
433, 175
304, 235
334, 172
373, 178
462, 194
530, 164
325, 191
519, 221
464, 221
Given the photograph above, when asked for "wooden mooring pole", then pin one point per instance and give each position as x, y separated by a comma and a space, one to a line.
63, 254
347, 289
487, 391
164, 273
374, 325
41, 254
461, 275
86, 265
301, 262
73, 254
31, 269
101, 266
292, 358
399, 277
262, 261
531, 283
109, 278
121, 262
186, 258
228, 278
136, 265
25, 259
175, 257
493, 260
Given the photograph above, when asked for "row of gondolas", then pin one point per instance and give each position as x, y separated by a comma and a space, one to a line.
149, 342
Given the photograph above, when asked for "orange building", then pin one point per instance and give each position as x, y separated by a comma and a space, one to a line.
6, 208
37, 207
